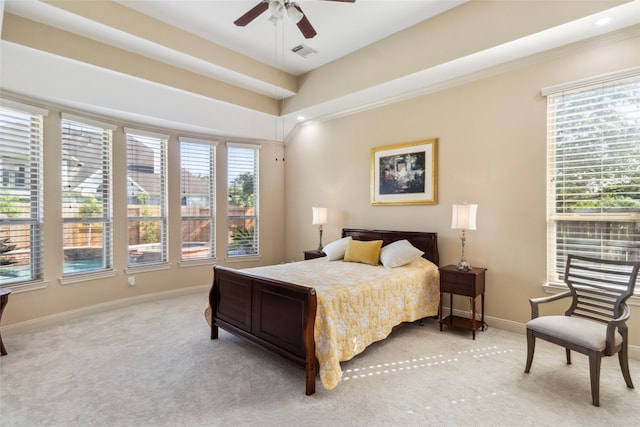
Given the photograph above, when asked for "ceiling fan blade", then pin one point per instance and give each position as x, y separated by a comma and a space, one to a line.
252, 14
304, 25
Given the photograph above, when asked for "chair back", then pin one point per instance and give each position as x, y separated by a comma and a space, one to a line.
600, 287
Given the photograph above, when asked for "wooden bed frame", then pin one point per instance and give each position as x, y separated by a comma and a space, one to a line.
280, 316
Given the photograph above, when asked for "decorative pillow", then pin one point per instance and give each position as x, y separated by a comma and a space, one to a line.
366, 252
399, 253
335, 250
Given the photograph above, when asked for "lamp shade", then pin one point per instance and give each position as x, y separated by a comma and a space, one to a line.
463, 217
319, 216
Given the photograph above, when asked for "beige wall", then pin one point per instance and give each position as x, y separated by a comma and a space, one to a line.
491, 151
57, 298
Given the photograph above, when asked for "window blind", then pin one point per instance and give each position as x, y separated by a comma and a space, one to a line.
21, 219
86, 197
242, 199
593, 197
197, 198
146, 193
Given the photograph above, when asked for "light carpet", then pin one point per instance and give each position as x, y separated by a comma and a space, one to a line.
153, 364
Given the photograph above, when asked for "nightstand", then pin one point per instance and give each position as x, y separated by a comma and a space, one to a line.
312, 254
466, 283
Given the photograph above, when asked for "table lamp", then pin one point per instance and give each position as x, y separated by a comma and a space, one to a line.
319, 219
464, 218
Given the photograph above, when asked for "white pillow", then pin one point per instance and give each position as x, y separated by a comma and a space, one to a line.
399, 253
336, 249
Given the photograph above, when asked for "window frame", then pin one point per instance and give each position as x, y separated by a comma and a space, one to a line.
599, 215
33, 185
105, 219
255, 217
210, 166
136, 258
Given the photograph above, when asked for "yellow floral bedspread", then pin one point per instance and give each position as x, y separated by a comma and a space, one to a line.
359, 304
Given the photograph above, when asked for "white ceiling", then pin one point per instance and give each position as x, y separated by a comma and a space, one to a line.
342, 28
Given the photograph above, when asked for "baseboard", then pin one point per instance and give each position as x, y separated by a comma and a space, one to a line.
511, 326
41, 322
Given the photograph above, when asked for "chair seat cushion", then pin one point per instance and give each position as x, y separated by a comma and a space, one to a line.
576, 330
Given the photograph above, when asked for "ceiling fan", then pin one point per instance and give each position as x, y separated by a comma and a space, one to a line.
280, 9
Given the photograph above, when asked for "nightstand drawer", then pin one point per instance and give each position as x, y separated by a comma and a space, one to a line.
457, 288
467, 283
458, 278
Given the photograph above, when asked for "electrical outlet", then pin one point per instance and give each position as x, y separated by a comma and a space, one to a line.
132, 280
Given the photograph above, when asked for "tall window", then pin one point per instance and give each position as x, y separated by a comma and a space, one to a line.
242, 201
593, 206
86, 196
147, 197
197, 198
21, 220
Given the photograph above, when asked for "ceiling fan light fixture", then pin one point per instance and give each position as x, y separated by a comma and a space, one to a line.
294, 14
277, 9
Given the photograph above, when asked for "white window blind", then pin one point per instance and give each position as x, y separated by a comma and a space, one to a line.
86, 197
593, 186
147, 195
21, 219
242, 200
197, 198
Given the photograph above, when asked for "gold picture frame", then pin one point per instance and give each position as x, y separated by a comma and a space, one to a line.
405, 174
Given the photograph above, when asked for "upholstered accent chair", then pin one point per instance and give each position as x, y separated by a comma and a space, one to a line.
595, 323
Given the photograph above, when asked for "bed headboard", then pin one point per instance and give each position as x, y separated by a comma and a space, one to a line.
426, 242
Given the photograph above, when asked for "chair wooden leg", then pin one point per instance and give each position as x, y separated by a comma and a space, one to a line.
623, 357
531, 346
568, 356
594, 372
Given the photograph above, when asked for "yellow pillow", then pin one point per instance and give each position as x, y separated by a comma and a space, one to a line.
365, 252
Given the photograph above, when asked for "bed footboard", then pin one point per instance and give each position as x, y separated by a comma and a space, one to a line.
275, 315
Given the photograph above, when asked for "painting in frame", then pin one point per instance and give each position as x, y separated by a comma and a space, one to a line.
405, 174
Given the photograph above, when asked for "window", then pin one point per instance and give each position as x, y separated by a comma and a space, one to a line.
242, 200
21, 219
86, 196
593, 187
197, 198
146, 197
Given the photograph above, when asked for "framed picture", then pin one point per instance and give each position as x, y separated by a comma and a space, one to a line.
405, 174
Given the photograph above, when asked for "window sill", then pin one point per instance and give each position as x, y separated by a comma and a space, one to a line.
555, 288
27, 286
76, 278
147, 267
196, 263
247, 258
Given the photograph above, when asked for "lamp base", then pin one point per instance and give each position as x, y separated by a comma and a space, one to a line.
463, 266
320, 242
